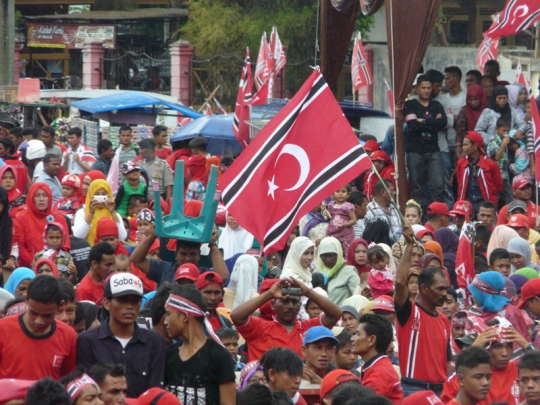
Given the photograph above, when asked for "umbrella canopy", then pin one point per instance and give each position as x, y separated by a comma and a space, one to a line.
217, 129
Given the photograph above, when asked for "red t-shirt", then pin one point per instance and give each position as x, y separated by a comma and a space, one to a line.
423, 342
89, 290
454, 402
504, 387
28, 357
262, 335
380, 375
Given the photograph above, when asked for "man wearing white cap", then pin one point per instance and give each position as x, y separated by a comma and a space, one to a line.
119, 340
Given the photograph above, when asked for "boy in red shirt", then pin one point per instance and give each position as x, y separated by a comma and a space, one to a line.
473, 371
371, 341
102, 261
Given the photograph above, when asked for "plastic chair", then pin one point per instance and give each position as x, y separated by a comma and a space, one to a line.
178, 226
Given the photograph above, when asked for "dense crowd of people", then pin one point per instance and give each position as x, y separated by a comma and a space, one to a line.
362, 305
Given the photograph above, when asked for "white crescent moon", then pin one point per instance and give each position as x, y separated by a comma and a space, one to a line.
525, 11
301, 156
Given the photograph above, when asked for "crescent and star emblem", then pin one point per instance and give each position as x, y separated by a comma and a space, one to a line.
301, 156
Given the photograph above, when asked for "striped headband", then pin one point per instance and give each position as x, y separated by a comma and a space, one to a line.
484, 287
180, 304
75, 387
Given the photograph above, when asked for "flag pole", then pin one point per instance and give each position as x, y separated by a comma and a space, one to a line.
536, 192
207, 101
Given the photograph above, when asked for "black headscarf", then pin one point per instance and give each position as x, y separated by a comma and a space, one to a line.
6, 226
506, 111
377, 231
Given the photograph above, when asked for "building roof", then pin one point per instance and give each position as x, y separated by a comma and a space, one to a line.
113, 16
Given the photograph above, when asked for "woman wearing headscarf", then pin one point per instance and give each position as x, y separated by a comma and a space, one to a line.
500, 237
17, 283
520, 254
470, 112
358, 302
46, 266
85, 221
515, 97
234, 239
342, 278
436, 249
244, 279
449, 244
357, 256
298, 262
489, 303
30, 223
251, 373
498, 107
198, 174
87, 179
16, 198
6, 232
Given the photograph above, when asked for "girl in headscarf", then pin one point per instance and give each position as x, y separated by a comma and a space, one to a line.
515, 98
85, 223
15, 197
244, 279
30, 223
498, 107
46, 267
520, 255
470, 112
298, 262
87, 179
500, 237
17, 283
342, 278
6, 226
198, 174
489, 303
449, 244
234, 239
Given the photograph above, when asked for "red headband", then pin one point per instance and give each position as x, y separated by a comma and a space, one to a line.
484, 287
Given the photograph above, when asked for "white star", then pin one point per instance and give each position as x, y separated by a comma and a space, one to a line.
272, 187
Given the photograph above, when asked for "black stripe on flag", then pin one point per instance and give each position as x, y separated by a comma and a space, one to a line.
277, 137
523, 26
317, 183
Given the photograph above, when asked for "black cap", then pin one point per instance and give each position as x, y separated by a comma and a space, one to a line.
198, 141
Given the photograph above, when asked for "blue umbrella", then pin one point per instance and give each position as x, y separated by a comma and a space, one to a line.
217, 129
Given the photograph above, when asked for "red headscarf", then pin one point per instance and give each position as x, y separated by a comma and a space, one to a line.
107, 227
473, 114
51, 265
197, 167
94, 175
14, 193
350, 256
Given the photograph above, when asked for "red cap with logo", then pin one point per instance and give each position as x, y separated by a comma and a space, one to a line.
209, 278
335, 378
518, 221
422, 398
384, 303
187, 270
521, 181
438, 208
461, 207
154, 396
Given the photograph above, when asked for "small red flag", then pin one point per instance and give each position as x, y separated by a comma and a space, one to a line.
360, 72
183, 121
536, 131
276, 59
464, 259
262, 73
488, 50
517, 16
261, 97
390, 99
243, 101
208, 110
521, 79
220, 107
282, 174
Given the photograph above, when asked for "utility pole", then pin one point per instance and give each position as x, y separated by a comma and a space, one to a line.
7, 41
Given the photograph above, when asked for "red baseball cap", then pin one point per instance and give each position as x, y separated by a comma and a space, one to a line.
518, 221
384, 303
12, 389
422, 398
380, 156
521, 181
529, 290
461, 207
438, 208
209, 278
371, 146
154, 396
476, 138
187, 270
335, 378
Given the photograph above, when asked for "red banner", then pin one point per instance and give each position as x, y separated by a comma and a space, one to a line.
69, 36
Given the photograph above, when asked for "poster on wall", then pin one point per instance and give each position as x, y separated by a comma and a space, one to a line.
69, 36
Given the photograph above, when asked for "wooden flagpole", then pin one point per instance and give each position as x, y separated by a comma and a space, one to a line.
207, 101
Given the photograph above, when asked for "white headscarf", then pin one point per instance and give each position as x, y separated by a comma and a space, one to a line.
292, 267
388, 251
234, 241
357, 301
244, 279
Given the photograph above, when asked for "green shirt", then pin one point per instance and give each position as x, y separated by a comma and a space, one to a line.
122, 209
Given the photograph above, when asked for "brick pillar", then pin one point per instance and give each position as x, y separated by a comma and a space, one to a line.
365, 93
17, 63
181, 55
92, 53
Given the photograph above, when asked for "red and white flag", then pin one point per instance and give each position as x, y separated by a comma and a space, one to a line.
536, 131
183, 121
262, 74
241, 129
517, 16
282, 174
488, 50
220, 107
208, 110
261, 97
276, 59
391, 100
464, 259
521, 79
360, 72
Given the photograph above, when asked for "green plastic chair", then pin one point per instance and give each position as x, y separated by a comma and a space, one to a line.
178, 226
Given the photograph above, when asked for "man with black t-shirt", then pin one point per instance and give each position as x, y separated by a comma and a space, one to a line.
199, 370
423, 332
424, 118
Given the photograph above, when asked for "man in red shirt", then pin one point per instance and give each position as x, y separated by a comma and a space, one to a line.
210, 284
438, 216
473, 370
101, 258
423, 332
34, 345
285, 330
371, 341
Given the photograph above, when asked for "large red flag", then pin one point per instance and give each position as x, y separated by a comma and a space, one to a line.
360, 72
304, 154
243, 100
464, 259
536, 131
261, 70
517, 16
